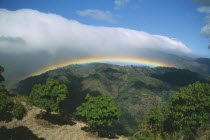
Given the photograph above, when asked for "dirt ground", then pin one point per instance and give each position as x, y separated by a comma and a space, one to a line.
42, 129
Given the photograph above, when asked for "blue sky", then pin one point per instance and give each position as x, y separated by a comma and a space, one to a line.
177, 19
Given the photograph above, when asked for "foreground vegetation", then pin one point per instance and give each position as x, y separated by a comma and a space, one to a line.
49, 95
182, 119
99, 111
10, 107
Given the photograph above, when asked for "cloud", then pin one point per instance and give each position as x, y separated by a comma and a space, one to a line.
98, 14
6, 42
30, 39
207, 19
51, 32
205, 31
15, 40
120, 3
204, 9
203, 2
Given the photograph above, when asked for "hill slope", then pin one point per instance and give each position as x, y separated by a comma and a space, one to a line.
135, 89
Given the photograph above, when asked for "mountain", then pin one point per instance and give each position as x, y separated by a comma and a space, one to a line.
135, 89
199, 65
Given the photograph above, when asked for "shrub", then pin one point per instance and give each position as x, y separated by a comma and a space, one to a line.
99, 111
18, 111
49, 95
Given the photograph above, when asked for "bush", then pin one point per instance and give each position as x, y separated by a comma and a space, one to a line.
6, 105
99, 111
8, 108
49, 95
190, 107
18, 111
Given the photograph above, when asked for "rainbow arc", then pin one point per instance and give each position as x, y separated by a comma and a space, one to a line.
113, 60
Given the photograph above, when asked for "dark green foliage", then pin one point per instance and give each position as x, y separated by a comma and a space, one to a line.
18, 111
152, 127
6, 105
49, 95
1, 77
190, 107
155, 119
189, 111
10, 108
99, 111
179, 77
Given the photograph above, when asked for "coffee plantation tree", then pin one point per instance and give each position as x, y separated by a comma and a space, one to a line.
98, 111
49, 95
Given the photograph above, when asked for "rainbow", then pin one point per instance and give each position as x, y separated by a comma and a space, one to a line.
114, 60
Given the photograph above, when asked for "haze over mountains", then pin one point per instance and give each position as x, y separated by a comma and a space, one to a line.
15, 71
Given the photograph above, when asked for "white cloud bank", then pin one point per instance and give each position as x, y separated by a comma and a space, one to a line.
26, 30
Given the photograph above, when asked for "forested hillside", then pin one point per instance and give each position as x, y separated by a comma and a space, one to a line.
135, 89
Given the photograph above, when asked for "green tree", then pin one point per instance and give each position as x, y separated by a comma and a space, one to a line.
18, 111
49, 95
188, 111
99, 111
6, 105
152, 126
1, 77
10, 108
155, 120
190, 108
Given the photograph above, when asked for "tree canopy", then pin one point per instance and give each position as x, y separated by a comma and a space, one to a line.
9, 108
99, 111
190, 107
188, 111
1, 77
5, 105
49, 95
